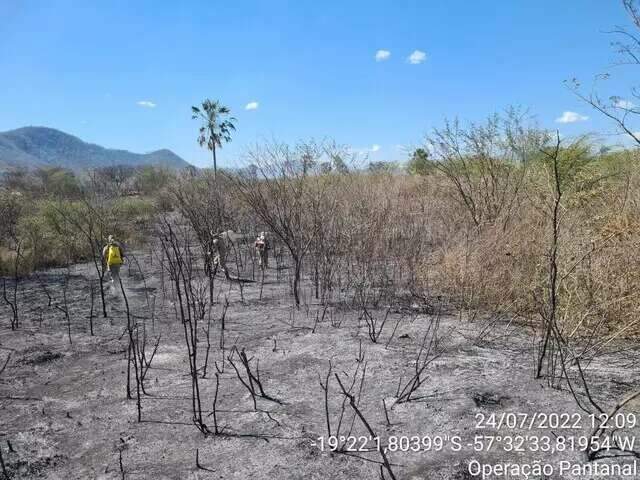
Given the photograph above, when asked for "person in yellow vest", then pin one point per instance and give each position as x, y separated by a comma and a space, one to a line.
113, 256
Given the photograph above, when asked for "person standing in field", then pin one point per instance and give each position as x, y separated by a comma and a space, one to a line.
113, 257
262, 247
219, 255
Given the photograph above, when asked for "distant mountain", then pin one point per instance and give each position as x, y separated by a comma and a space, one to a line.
40, 146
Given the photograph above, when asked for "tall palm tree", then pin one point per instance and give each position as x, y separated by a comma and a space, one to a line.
216, 127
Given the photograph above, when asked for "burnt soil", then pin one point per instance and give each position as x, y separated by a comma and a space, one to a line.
65, 415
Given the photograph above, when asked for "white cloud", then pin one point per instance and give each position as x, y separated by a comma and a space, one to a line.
417, 57
571, 117
252, 106
382, 55
146, 104
366, 150
626, 104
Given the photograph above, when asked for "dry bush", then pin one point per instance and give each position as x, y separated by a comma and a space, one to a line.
287, 192
493, 269
203, 201
502, 265
486, 163
379, 222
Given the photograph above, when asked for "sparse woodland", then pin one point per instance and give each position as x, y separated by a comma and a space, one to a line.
508, 223
395, 302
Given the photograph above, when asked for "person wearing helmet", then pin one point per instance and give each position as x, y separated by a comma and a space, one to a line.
113, 257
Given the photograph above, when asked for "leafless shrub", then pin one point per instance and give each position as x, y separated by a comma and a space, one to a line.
481, 162
375, 326
351, 400
120, 465
283, 196
11, 299
354, 405
335, 426
430, 349
133, 355
214, 410
208, 336
10, 211
188, 309
202, 200
89, 220
92, 298
252, 381
64, 306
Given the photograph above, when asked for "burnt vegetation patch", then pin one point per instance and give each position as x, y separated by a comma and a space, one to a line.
490, 400
44, 358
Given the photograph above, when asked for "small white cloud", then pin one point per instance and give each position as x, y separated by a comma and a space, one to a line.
571, 117
252, 106
625, 104
418, 56
382, 55
366, 150
146, 104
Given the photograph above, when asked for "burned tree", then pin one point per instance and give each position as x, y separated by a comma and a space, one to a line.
181, 268
252, 381
281, 194
562, 165
351, 391
430, 349
201, 200
10, 213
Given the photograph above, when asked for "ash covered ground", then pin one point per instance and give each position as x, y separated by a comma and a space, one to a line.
64, 411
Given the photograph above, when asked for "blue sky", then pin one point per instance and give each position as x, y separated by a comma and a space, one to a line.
84, 67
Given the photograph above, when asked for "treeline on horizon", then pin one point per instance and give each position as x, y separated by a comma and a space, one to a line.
474, 218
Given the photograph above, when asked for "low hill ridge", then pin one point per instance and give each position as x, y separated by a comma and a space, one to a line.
33, 147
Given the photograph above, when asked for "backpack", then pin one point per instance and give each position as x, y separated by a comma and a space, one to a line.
113, 255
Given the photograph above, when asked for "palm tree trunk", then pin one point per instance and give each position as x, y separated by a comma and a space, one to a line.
215, 163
